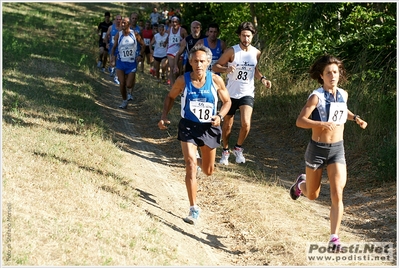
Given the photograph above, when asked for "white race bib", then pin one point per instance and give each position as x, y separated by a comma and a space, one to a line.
147, 41
243, 74
338, 113
175, 39
104, 34
127, 54
202, 110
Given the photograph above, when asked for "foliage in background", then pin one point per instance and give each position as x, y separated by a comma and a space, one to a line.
292, 35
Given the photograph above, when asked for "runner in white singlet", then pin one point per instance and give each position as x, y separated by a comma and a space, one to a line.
176, 33
240, 62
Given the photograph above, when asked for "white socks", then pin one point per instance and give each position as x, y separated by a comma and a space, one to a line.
333, 236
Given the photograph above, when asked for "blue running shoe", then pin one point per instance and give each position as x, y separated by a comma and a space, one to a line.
193, 216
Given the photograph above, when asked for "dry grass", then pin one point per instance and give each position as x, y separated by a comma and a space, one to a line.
73, 202
87, 184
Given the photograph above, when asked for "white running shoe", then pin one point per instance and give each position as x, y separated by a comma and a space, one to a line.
193, 216
238, 153
225, 158
123, 105
129, 97
116, 80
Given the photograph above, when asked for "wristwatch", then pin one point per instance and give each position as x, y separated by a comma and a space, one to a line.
263, 77
221, 117
355, 117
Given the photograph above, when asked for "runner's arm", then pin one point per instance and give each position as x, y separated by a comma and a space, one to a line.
220, 65
107, 36
116, 37
141, 41
223, 95
259, 75
175, 91
178, 54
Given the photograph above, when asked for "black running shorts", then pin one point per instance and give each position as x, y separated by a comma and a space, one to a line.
318, 154
236, 103
199, 134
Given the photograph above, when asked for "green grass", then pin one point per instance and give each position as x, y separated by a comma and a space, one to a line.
74, 199
370, 97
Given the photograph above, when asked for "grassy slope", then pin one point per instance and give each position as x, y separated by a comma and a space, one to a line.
64, 178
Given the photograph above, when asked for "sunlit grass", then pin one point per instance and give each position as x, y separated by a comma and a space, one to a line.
74, 191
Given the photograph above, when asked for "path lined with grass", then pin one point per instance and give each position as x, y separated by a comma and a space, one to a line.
85, 183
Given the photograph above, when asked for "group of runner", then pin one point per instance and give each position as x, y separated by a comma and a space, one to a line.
206, 126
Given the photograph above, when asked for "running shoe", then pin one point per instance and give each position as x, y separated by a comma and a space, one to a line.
116, 80
123, 105
111, 71
239, 156
295, 192
103, 70
225, 158
99, 64
129, 97
193, 216
335, 245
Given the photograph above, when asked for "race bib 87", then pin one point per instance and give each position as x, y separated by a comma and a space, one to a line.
338, 113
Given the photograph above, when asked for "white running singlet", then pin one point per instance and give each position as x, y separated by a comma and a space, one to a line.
127, 46
174, 42
159, 49
241, 82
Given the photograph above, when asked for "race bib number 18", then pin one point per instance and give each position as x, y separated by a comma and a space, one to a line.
202, 110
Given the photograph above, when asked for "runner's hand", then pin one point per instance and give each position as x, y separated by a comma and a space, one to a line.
361, 123
215, 121
329, 126
162, 124
230, 69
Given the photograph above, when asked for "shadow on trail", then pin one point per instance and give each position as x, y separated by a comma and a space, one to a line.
212, 240
126, 132
278, 157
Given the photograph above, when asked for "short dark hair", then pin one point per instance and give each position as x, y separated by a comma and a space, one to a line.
214, 25
107, 14
246, 26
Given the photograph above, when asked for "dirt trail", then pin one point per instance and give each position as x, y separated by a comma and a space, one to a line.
159, 179
159, 172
